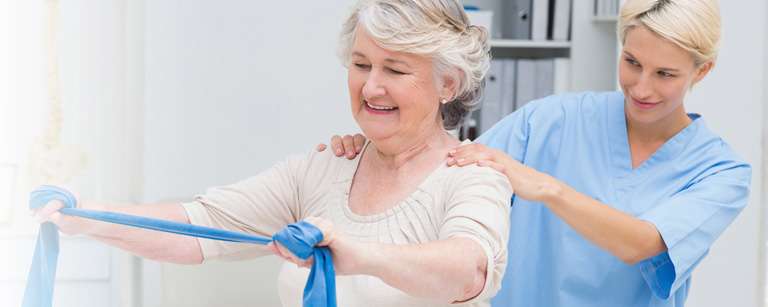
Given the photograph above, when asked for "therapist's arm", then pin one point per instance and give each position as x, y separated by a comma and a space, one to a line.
626, 237
149, 244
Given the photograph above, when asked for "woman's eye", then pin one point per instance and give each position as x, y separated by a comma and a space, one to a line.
394, 71
362, 66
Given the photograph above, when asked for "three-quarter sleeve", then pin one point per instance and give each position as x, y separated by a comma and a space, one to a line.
689, 222
478, 209
260, 205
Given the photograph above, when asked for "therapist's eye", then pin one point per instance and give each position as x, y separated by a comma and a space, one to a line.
665, 74
632, 62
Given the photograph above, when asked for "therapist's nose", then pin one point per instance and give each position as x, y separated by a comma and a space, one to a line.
373, 87
643, 88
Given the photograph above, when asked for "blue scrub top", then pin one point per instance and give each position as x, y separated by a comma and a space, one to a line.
691, 188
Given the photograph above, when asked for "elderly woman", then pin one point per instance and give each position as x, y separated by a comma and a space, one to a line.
403, 228
619, 195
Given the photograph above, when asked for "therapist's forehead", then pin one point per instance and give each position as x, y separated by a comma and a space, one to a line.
654, 51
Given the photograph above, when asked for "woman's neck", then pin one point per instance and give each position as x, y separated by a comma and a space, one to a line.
424, 147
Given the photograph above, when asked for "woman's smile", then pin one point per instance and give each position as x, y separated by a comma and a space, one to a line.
379, 109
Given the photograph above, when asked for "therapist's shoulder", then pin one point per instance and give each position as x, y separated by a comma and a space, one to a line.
571, 103
715, 155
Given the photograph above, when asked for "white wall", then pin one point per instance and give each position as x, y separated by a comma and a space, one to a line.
731, 101
231, 88
99, 121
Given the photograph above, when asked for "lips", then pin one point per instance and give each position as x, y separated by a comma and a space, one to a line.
644, 104
379, 109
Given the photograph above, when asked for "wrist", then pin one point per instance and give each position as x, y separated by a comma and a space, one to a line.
554, 193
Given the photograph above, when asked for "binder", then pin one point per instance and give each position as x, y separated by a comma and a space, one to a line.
490, 108
562, 82
509, 84
526, 82
517, 21
540, 20
561, 23
545, 78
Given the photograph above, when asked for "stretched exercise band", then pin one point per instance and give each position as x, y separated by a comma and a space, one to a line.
300, 238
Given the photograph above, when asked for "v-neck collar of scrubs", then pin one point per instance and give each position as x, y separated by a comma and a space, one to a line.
619, 142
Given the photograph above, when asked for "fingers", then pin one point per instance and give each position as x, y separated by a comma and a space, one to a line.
338, 147
49, 212
284, 253
349, 147
359, 141
320, 147
325, 226
468, 154
497, 166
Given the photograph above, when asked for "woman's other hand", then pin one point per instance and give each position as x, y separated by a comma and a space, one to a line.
67, 224
348, 146
525, 181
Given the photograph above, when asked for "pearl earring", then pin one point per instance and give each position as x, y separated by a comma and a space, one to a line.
443, 101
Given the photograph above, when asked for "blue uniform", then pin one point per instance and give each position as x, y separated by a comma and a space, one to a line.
691, 189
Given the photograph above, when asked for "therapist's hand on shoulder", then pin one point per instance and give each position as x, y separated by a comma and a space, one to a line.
348, 146
525, 181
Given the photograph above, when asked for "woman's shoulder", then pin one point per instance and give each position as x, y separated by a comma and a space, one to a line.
473, 178
321, 166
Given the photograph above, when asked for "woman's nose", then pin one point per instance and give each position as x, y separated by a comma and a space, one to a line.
373, 87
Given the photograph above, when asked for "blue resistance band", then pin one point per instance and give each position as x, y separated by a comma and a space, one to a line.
300, 238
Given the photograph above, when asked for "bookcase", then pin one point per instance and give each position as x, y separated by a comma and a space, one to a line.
533, 61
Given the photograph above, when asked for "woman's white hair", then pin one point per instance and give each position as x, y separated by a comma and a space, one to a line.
693, 25
438, 29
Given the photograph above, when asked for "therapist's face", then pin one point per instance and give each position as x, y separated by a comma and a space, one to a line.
394, 95
655, 75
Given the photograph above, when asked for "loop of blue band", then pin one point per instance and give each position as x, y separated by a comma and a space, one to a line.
300, 238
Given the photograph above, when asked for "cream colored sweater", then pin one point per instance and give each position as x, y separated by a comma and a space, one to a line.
471, 202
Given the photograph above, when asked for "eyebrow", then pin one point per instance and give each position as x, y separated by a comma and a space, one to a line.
388, 60
660, 68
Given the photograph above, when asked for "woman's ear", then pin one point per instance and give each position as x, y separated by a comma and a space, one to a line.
450, 86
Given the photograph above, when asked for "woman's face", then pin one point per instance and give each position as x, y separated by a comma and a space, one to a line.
655, 75
395, 96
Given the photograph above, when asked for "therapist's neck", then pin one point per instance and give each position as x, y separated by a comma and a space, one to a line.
659, 131
428, 145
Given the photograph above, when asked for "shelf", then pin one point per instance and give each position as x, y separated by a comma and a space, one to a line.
516, 48
529, 44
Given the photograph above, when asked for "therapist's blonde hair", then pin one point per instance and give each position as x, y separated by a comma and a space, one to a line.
438, 29
693, 25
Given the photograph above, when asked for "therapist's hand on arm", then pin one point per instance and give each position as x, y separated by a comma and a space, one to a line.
149, 244
429, 270
626, 237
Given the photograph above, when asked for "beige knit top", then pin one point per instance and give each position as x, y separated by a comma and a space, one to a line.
471, 202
